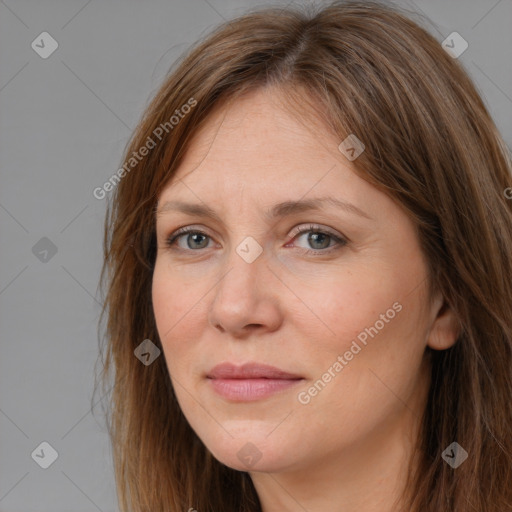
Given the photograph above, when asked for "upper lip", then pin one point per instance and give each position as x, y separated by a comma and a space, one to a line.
249, 371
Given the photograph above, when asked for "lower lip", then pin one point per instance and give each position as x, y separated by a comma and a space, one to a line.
245, 390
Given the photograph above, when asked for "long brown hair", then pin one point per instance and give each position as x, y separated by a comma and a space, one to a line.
430, 144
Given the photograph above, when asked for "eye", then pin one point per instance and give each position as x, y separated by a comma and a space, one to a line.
194, 238
319, 239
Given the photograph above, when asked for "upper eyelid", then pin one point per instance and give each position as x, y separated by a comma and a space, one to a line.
301, 228
305, 226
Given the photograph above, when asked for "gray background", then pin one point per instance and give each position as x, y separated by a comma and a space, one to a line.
64, 123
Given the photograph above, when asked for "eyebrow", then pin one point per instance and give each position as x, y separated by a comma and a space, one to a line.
279, 210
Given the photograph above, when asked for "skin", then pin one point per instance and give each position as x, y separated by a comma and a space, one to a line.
349, 446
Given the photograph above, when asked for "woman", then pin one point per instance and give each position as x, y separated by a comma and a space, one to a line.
309, 277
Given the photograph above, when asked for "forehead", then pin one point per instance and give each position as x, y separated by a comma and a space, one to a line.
258, 139
256, 156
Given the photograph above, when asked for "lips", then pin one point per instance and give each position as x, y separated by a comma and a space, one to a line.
250, 371
250, 382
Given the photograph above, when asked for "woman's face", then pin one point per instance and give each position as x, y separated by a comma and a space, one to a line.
341, 308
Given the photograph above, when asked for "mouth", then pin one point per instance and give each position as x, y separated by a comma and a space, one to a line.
251, 381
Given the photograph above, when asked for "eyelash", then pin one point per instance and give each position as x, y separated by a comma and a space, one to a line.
340, 242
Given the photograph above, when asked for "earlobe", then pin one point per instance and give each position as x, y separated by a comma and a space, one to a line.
445, 329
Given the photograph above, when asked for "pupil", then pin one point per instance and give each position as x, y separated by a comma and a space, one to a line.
195, 235
311, 239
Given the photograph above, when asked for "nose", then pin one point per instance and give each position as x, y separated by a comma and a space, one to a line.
244, 300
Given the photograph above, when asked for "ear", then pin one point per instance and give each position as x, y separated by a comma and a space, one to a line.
445, 328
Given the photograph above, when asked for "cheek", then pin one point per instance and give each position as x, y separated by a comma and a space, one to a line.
337, 307
369, 318
176, 306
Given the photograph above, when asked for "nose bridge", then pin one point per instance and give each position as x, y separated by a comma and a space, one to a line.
244, 266
245, 258
241, 296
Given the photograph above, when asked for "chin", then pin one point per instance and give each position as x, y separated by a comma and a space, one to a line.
253, 451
